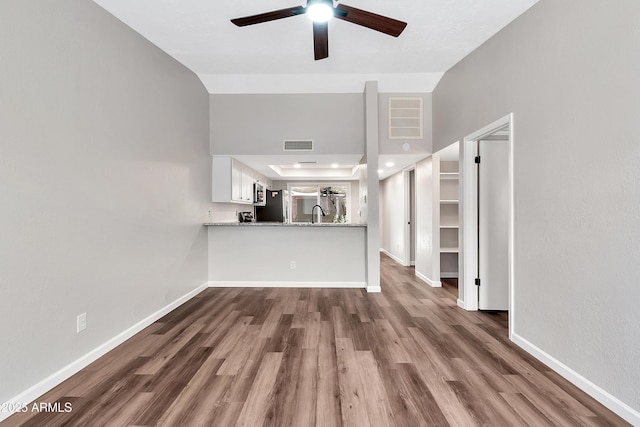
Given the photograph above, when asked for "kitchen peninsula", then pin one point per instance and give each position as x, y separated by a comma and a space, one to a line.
271, 254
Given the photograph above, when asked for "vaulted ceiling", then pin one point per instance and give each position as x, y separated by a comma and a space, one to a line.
277, 56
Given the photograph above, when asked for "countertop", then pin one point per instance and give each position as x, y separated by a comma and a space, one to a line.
280, 224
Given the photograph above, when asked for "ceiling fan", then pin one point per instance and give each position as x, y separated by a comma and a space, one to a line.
320, 11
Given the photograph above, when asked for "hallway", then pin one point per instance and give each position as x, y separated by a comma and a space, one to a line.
302, 357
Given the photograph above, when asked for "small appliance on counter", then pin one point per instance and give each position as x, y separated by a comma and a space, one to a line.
245, 216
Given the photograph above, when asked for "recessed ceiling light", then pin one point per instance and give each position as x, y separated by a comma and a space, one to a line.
389, 164
334, 165
380, 171
297, 165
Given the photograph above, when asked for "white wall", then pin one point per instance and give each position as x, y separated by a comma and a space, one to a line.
104, 174
260, 255
570, 72
392, 227
427, 221
227, 212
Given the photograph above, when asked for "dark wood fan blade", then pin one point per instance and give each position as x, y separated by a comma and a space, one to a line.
269, 16
320, 40
390, 26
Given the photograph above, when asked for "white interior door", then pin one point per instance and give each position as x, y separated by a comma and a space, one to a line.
493, 225
412, 217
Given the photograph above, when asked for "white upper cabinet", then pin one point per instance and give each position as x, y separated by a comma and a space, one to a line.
232, 182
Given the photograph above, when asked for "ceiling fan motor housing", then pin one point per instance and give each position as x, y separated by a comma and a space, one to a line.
320, 10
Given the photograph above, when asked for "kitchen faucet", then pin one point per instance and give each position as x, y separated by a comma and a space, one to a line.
321, 210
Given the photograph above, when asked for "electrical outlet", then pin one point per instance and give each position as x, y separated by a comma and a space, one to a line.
293, 265
81, 322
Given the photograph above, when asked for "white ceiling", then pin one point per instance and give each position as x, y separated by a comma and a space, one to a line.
323, 167
277, 56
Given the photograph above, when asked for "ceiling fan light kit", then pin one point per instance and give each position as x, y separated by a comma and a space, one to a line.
320, 12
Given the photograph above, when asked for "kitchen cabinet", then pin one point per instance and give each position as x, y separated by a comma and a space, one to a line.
232, 182
247, 179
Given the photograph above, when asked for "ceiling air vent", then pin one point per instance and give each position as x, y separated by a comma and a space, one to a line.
298, 145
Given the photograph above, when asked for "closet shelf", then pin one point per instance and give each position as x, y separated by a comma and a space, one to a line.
449, 175
449, 250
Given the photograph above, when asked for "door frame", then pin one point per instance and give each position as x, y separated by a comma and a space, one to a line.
406, 179
468, 215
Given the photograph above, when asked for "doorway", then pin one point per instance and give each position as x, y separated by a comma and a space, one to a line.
492, 175
411, 221
487, 218
410, 216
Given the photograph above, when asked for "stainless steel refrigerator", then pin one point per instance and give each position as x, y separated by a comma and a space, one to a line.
276, 208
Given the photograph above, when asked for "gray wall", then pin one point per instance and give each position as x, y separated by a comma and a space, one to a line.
104, 179
392, 222
394, 146
258, 124
570, 72
370, 201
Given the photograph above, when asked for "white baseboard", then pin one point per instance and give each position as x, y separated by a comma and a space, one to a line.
373, 289
37, 390
432, 283
274, 284
392, 256
449, 275
412, 263
607, 399
460, 303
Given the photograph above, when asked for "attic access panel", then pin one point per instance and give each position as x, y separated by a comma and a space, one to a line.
405, 118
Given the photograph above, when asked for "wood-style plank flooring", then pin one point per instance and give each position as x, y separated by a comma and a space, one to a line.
322, 357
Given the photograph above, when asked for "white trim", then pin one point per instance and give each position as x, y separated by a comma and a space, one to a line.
468, 263
37, 390
406, 195
412, 263
607, 399
373, 289
468, 229
460, 303
432, 283
393, 257
406, 182
449, 275
285, 284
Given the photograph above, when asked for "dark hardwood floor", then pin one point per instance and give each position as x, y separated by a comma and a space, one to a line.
327, 357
